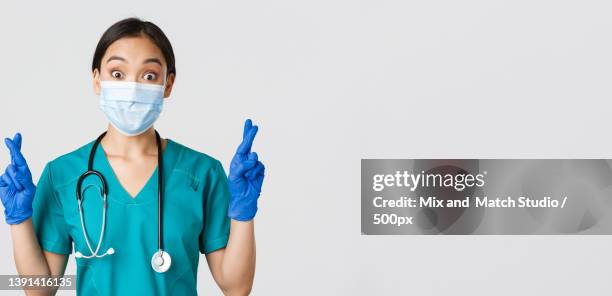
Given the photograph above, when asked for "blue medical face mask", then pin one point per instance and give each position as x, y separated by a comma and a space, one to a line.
131, 107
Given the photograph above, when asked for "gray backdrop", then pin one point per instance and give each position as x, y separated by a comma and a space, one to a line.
331, 82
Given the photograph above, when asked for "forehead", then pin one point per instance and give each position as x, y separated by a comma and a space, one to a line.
134, 49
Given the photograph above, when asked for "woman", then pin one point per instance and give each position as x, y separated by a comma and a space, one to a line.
119, 249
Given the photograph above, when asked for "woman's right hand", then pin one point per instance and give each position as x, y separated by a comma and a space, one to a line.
16, 187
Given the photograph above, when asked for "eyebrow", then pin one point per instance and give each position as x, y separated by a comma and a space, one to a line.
152, 60
149, 60
115, 58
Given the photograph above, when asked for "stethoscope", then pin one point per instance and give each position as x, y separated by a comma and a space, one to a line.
160, 261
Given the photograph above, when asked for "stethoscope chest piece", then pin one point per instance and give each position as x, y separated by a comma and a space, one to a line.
161, 261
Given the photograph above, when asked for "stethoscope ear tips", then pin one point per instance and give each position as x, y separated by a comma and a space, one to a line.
110, 251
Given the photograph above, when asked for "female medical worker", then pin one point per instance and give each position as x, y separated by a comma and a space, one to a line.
204, 211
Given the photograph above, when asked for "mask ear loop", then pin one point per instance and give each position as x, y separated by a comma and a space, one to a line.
165, 84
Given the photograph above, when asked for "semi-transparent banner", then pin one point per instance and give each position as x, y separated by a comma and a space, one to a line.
486, 196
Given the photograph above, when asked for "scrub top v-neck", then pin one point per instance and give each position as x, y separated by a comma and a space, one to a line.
196, 197
151, 184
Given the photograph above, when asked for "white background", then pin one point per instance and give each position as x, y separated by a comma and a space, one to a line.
330, 82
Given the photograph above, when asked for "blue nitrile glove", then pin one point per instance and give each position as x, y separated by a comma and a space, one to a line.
16, 186
245, 177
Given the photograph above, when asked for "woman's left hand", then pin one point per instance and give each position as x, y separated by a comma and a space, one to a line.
245, 177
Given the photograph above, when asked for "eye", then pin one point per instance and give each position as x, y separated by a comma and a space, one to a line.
117, 74
150, 76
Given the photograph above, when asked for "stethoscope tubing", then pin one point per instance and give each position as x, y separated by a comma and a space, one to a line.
91, 171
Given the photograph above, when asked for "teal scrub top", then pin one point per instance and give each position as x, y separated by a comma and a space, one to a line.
196, 198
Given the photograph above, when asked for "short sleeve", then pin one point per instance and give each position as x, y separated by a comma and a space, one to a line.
48, 218
215, 232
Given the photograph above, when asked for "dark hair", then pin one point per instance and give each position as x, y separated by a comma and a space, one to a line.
133, 27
